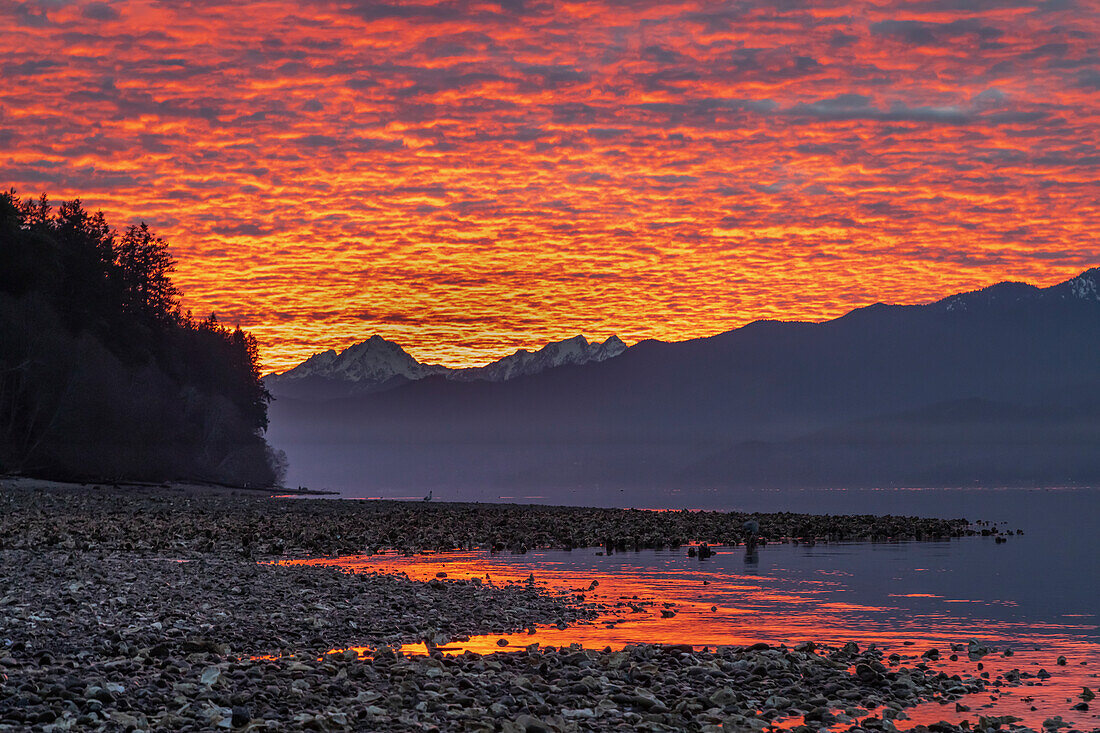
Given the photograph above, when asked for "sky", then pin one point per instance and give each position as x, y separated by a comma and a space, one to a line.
469, 178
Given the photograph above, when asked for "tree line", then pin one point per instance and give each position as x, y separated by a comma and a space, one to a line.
102, 375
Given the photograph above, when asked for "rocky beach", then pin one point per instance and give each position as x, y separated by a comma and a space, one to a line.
163, 608
182, 521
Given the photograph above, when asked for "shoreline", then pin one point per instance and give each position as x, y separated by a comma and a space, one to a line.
333, 527
17, 480
102, 627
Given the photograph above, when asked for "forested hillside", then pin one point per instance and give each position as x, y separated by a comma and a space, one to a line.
101, 374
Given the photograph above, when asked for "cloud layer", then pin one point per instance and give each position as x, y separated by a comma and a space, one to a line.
472, 177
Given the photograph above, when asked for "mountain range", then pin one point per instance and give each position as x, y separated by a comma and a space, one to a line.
376, 365
993, 387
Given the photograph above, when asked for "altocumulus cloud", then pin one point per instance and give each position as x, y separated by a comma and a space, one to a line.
496, 175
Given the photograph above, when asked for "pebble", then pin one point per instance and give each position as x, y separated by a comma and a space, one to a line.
103, 627
183, 521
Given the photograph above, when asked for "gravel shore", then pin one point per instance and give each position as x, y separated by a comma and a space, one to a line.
156, 609
182, 520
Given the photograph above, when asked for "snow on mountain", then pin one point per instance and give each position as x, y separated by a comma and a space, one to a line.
377, 364
576, 350
1085, 286
380, 364
375, 361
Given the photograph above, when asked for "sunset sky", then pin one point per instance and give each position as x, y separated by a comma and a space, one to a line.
469, 178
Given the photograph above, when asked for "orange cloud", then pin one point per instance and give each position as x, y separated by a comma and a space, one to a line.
469, 178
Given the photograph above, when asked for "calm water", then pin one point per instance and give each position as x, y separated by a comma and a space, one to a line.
1036, 594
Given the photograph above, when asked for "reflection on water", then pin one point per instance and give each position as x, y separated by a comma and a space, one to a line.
906, 598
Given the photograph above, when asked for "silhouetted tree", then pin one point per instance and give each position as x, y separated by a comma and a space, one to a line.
100, 374
144, 273
87, 245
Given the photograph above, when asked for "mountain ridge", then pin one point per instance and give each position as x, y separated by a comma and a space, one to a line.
670, 413
377, 365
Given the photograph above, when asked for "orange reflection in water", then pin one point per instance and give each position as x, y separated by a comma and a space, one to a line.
662, 600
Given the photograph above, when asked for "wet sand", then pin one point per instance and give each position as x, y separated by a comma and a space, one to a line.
102, 627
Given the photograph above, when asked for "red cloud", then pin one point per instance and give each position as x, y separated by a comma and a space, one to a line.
480, 177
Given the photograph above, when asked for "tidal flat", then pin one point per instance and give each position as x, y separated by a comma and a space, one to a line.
192, 608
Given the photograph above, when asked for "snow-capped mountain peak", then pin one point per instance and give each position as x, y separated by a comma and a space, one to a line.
375, 360
377, 364
575, 350
610, 348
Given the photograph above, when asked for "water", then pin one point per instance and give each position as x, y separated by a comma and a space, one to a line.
1037, 594
1047, 573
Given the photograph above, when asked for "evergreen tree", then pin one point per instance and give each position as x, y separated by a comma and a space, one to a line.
144, 273
100, 375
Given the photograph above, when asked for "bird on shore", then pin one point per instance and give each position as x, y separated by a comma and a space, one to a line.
429, 496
